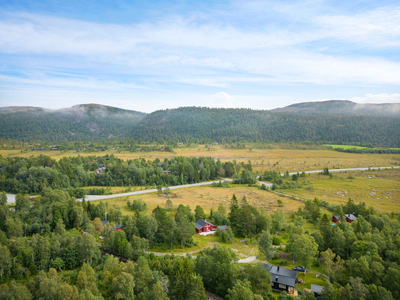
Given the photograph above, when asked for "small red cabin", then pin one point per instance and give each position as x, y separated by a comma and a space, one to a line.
350, 218
204, 226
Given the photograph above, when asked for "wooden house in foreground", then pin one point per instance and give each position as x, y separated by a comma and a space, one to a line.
282, 279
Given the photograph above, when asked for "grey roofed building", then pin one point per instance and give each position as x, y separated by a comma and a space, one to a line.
351, 217
281, 278
317, 290
200, 224
223, 227
105, 222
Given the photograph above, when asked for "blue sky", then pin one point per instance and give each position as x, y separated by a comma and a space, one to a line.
149, 55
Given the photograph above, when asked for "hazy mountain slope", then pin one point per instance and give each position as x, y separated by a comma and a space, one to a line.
93, 122
219, 124
80, 122
344, 108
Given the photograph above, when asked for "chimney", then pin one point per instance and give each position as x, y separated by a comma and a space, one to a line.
105, 214
276, 278
278, 267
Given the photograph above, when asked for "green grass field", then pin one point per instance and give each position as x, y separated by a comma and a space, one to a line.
379, 189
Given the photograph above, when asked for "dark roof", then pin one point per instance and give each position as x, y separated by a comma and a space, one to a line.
282, 276
223, 227
351, 217
104, 222
118, 226
201, 223
316, 289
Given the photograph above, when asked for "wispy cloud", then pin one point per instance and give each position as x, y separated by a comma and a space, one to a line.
247, 49
378, 98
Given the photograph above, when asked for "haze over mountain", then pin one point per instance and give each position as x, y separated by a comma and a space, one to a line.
328, 121
80, 122
343, 107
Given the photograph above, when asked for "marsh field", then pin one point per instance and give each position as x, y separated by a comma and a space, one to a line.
293, 160
380, 189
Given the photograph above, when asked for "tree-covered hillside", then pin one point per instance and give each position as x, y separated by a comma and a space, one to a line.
239, 124
96, 123
81, 122
344, 107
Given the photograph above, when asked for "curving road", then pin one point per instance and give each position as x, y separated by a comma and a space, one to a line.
11, 197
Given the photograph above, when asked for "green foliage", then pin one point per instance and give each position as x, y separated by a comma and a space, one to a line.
86, 123
217, 268
259, 279
184, 284
304, 249
199, 213
226, 236
35, 174
265, 245
241, 291
137, 205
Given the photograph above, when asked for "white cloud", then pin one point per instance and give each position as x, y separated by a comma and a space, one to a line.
378, 98
74, 58
377, 28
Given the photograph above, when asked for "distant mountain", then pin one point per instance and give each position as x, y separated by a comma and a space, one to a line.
15, 109
245, 124
80, 122
343, 107
328, 121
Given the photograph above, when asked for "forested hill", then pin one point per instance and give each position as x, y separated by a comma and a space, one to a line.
96, 123
230, 124
89, 122
343, 107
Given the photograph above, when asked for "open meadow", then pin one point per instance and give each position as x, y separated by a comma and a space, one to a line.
210, 197
379, 189
262, 160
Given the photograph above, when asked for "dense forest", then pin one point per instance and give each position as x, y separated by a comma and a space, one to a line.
343, 107
253, 125
89, 122
34, 174
48, 250
97, 123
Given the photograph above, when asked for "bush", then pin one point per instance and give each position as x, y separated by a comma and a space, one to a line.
137, 205
276, 240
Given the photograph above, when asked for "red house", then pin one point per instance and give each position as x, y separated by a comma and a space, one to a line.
117, 227
204, 226
350, 218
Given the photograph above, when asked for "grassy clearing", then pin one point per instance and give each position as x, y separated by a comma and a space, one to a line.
241, 249
356, 147
379, 189
208, 197
262, 159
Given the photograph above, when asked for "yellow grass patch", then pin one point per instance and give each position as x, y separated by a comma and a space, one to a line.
379, 189
262, 159
208, 197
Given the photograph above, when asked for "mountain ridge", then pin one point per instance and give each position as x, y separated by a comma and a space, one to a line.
296, 123
343, 107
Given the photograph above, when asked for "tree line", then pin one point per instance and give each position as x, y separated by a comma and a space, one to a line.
34, 174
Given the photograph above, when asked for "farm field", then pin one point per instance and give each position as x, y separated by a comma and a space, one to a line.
379, 189
208, 197
292, 160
